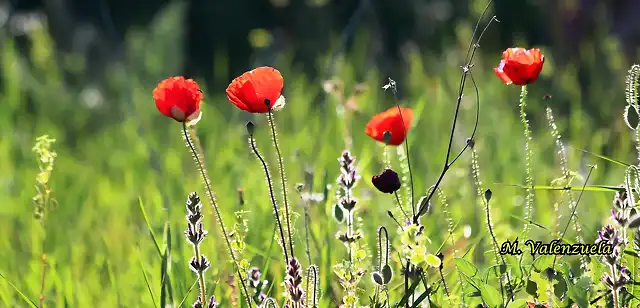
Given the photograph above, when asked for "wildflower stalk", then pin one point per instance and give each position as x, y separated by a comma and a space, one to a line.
349, 272
466, 73
394, 90
485, 196
43, 199
633, 100
564, 166
195, 234
265, 167
454, 251
528, 156
197, 154
283, 179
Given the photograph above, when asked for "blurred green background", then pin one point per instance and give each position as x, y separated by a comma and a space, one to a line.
82, 72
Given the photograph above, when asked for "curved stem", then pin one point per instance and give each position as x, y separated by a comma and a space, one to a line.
212, 199
252, 142
287, 213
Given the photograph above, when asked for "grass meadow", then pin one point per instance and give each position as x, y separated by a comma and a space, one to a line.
112, 230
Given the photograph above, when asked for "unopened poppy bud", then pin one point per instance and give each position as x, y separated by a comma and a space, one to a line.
251, 128
386, 182
488, 194
471, 142
387, 137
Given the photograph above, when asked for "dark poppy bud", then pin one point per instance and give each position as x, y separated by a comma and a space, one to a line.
250, 128
387, 181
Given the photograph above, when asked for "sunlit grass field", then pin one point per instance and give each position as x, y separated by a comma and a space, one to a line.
118, 158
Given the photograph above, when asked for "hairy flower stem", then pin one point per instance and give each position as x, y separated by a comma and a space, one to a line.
252, 142
485, 196
394, 90
307, 221
615, 292
283, 180
528, 157
196, 156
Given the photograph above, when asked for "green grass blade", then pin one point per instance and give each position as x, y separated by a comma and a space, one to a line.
166, 293
268, 257
146, 220
22, 295
617, 162
146, 279
596, 188
184, 299
543, 228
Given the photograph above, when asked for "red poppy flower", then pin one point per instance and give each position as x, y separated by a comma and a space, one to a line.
520, 66
254, 89
390, 121
178, 98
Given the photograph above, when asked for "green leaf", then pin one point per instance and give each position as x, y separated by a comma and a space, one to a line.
518, 303
433, 260
542, 263
146, 279
579, 291
603, 157
597, 188
184, 299
22, 295
466, 267
166, 293
514, 264
491, 296
146, 220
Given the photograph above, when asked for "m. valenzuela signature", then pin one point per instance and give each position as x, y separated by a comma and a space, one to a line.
556, 247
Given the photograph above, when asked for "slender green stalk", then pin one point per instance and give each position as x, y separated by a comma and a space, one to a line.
564, 167
201, 283
43, 199
252, 143
197, 154
528, 157
283, 179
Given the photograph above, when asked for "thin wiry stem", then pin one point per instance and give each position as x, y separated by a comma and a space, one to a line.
450, 226
499, 258
214, 204
466, 70
394, 90
283, 180
573, 212
252, 142
564, 166
306, 233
